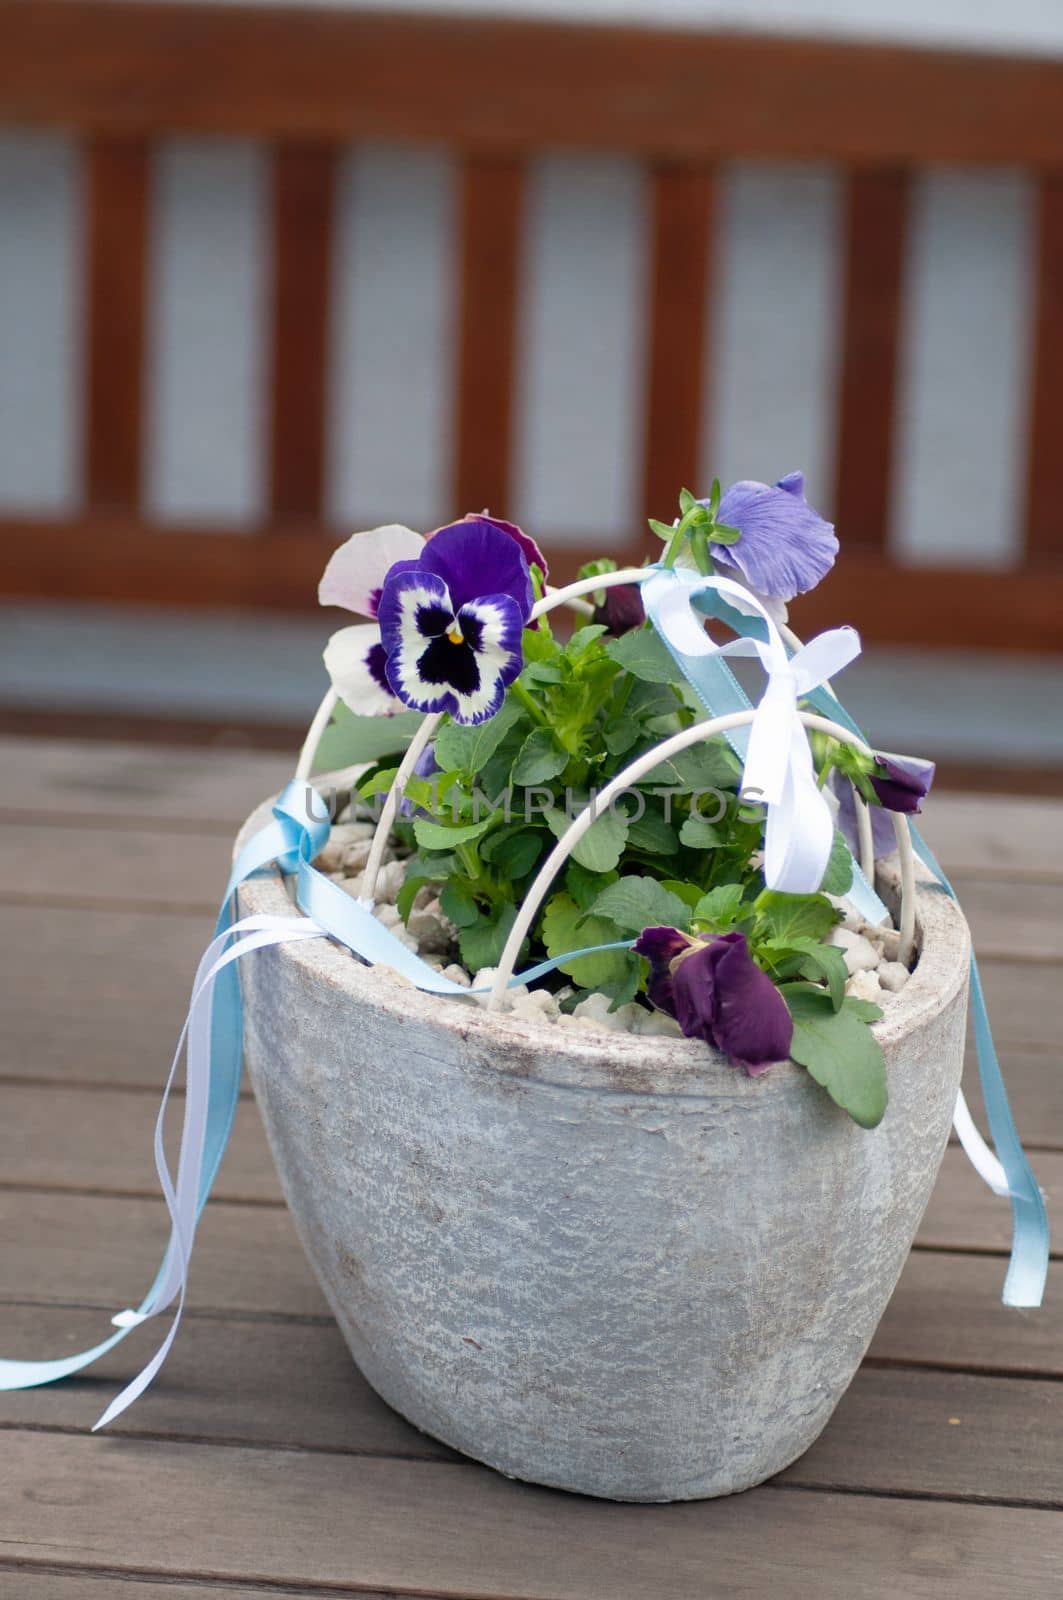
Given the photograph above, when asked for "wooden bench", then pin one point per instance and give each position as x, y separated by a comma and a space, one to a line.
121, 76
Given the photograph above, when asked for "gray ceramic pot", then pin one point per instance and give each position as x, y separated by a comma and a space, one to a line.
610, 1264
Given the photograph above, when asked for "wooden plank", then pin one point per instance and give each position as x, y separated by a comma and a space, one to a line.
267, 1382
85, 1140
874, 262
279, 570
352, 1522
994, 836
1044, 489
492, 84
679, 294
117, 253
179, 870
491, 198
102, 1253
94, 996
951, 1435
176, 872
1035, 1089
41, 1583
295, 1386
303, 183
978, 837
964, 1214
946, 1312
127, 784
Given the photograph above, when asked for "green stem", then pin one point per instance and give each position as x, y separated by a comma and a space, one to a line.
523, 698
694, 517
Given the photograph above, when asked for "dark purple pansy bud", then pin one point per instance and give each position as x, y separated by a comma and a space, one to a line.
621, 610
723, 997
660, 946
902, 783
784, 546
717, 993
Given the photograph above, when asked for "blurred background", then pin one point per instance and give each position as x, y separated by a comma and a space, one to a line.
271, 273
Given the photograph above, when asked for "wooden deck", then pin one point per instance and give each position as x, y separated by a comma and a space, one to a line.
260, 1463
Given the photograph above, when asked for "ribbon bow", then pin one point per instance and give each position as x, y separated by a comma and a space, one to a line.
778, 766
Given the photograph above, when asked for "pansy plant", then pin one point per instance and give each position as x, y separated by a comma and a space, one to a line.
535, 726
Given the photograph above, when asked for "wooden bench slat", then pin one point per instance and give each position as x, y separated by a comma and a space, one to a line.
679, 292
1044, 489
303, 187
874, 262
504, 84
492, 191
405, 1525
27, 1583
116, 294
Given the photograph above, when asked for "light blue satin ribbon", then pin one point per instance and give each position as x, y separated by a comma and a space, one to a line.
720, 693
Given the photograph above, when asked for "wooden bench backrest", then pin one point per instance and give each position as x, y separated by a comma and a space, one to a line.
306, 83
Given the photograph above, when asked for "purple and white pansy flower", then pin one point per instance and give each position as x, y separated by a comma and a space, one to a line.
784, 547
355, 658
451, 621
717, 993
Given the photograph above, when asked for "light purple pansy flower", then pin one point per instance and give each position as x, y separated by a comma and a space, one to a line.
785, 547
451, 621
717, 993
901, 783
355, 657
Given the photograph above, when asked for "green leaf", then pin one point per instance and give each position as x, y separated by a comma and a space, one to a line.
787, 917
620, 736
482, 944
663, 530
515, 853
817, 962
838, 878
602, 845
583, 638
349, 741
564, 927
652, 834
539, 645
687, 501
641, 653
840, 1052
635, 903
421, 874
541, 758
720, 908
699, 834
458, 905
584, 886
710, 765
537, 672
467, 749
438, 836
689, 893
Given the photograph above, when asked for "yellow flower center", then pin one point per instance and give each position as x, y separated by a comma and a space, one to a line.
455, 635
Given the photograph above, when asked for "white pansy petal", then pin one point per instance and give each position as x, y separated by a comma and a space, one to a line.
356, 571
350, 657
498, 656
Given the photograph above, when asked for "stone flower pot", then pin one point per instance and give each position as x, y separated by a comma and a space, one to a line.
605, 1263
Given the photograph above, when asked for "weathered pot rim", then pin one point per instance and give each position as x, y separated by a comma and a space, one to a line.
620, 1062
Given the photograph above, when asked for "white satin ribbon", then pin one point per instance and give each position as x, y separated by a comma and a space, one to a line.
182, 1197
778, 769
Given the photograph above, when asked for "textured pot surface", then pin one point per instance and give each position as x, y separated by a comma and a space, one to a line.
610, 1264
